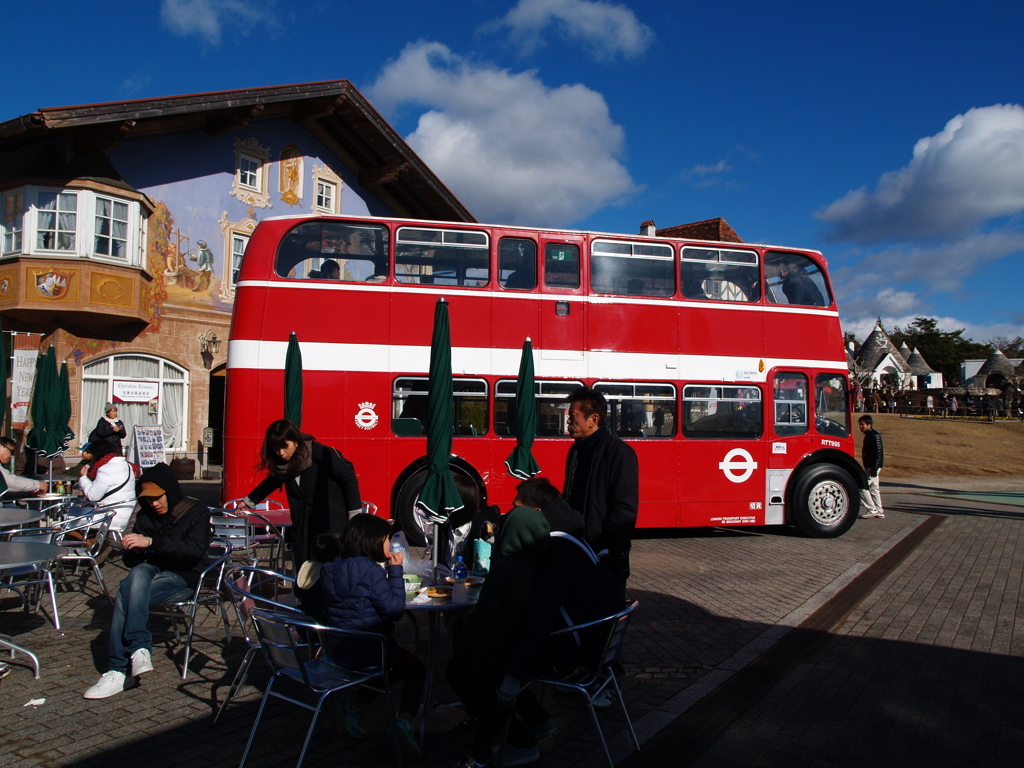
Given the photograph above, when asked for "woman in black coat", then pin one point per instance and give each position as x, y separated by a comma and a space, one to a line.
109, 427
321, 484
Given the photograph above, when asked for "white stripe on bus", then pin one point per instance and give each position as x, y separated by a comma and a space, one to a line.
522, 296
484, 361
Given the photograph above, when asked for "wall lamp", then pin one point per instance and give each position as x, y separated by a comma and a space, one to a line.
209, 345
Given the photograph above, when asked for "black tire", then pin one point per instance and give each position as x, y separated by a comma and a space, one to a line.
825, 501
409, 519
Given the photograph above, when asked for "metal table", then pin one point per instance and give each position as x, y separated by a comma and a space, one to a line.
433, 609
15, 554
17, 518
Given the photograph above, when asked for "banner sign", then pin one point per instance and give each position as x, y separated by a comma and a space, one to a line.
23, 376
149, 445
135, 391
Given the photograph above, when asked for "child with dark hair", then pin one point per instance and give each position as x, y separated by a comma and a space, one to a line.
356, 593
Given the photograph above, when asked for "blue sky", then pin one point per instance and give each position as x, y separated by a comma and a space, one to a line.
890, 136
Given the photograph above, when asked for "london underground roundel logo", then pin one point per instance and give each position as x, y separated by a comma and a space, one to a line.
366, 418
738, 465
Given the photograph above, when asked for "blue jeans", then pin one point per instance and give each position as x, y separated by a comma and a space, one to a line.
145, 585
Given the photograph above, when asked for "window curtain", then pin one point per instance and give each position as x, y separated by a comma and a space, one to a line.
173, 400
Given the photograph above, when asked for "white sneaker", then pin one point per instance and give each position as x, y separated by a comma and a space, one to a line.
142, 661
110, 684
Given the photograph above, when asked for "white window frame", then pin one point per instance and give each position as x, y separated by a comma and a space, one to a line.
324, 174
85, 226
13, 222
232, 230
89, 374
257, 194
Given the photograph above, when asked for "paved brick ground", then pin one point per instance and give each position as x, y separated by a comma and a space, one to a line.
928, 670
710, 600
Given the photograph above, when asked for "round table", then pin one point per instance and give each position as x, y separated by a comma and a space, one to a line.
433, 608
16, 518
15, 554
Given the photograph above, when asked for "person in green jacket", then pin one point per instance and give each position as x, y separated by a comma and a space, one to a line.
490, 630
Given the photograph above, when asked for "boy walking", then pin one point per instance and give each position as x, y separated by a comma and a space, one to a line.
872, 456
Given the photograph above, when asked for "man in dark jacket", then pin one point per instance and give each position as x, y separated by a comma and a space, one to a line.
873, 457
602, 480
166, 553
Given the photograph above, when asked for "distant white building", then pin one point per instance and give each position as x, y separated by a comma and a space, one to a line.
879, 363
992, 373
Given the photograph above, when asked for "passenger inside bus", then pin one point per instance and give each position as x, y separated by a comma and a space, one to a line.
795, 279
517, 264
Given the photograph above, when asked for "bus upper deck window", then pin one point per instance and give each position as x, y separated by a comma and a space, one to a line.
517, 263
453, 257
793, 278
632, 269
332, 250
561, 265
720, 274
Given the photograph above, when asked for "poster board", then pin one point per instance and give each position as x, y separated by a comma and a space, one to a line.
149, 445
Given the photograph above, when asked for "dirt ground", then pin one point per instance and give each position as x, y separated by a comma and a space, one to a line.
949, 448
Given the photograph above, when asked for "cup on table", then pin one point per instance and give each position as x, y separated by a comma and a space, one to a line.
412, 582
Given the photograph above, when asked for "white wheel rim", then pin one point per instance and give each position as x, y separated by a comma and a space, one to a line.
828, 502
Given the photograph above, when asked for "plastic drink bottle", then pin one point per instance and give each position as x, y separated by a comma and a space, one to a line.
459, 573
398, 542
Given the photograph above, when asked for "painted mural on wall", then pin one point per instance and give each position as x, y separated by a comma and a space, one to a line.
210, 193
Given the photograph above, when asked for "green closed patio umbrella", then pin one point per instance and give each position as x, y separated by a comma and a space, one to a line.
45, 408
521, 463
62, 419
440, 496
293, 381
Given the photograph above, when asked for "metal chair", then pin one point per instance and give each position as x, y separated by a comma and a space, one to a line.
28, 580
590, 684
93, 528
238, 580
277, 637
234, 528
264, 534
207, 593
369, 508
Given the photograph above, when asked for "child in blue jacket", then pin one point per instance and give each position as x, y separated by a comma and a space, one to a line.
358, 594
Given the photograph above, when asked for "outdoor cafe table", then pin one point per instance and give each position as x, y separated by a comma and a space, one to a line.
13, 517
433, 607
15, 554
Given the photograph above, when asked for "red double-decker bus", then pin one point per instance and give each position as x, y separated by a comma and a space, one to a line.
723, 364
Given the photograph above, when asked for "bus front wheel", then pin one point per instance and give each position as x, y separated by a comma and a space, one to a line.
826, 502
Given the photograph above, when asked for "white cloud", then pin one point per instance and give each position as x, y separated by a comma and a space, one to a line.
511, 148
606, 29
969, 173
206, 18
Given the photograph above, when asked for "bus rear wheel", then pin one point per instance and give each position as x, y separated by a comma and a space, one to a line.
826, 502
412, 519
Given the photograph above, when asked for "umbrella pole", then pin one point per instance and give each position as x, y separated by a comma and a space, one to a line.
49, 484
436, 536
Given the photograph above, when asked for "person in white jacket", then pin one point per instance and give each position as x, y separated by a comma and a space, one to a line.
16, 484
110, 480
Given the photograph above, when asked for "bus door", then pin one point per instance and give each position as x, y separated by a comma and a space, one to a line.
791, 436
722, 461
562, 311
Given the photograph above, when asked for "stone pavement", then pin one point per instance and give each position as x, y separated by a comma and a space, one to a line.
711, 602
